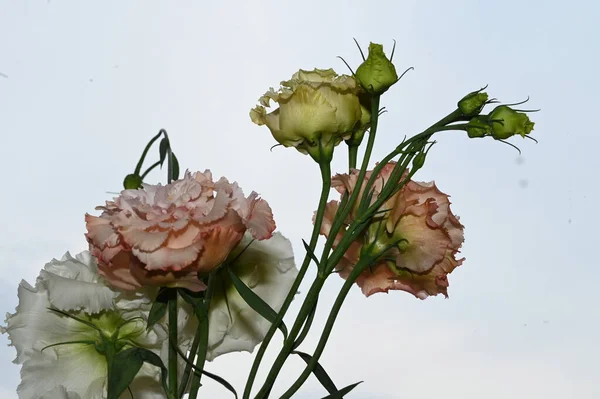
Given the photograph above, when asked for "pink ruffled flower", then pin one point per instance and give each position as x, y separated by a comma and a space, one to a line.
419, 221
169, 235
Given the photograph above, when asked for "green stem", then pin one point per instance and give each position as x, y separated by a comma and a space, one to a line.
138, 167
288, 345
325, 189
202, 335
154, 165
172, 308
352, 156
341, 216
358, 269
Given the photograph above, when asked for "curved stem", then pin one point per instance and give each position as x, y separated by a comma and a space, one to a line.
172, 308
202, 335
154, 165
138, 167
360, 266
325, 189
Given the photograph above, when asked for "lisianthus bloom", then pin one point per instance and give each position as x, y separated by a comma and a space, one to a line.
77, 369
416, 231
316, 109
170, 235
267, 268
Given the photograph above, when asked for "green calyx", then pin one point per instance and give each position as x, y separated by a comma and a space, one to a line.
377, 73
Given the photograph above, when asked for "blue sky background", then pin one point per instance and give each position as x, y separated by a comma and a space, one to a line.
85, 84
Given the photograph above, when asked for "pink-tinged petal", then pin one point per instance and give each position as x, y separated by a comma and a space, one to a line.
260, 220
141, 240
330, 209
166, 258
100, 231
184, 238
425, 247
219, 208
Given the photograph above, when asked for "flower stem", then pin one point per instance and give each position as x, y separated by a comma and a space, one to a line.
358, 269
325, 189
352, 155
172, 308
202, 336
340, 217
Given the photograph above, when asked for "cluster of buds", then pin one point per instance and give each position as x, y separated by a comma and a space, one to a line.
502, 123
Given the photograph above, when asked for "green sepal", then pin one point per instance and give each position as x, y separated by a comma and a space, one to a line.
125, 366
256, 302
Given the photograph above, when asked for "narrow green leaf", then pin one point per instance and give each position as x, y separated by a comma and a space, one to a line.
310, 253
159, 307
340, 394
125, 366
319, 372
256, 302
175, 168
162, 150
221, 381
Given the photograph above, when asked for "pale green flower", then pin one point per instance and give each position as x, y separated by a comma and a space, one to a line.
316, 108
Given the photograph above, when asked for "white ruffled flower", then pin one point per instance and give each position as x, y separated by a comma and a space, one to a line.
78, 370
268, 268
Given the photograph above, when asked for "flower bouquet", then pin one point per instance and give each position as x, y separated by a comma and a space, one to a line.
181, 273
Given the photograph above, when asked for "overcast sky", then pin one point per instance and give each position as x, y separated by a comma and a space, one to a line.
84, 85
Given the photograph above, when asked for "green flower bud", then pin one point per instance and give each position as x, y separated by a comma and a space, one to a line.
507, 122
377, 73
473, 103
479, 127
132, 182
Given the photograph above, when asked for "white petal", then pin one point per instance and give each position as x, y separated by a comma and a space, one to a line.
74, 284
60, 392
268, 268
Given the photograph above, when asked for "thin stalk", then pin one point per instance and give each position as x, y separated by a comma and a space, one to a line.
352, 156
341, 217
172, 308
202, 333
138, 167
325, 189
358, 269
154, 165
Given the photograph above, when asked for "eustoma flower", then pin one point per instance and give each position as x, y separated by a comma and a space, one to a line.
62, 356
170, 235
317, 110
415, 234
